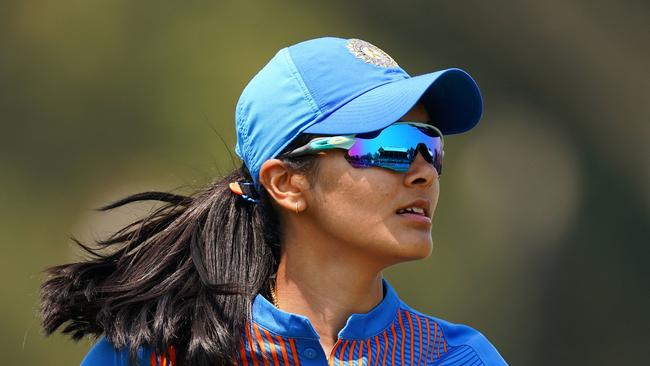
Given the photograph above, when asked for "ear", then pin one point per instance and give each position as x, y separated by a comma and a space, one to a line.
285, 186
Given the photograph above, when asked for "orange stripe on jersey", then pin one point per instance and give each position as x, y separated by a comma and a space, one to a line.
260, 342
333, 353
152, 359
408, 317
369, 351
251, 345
342, 353
401, 327
376, 358
172, 355
439, 344
293, 351
163, 360
283, 348
420, 334
392, 329
444, 343
354, 343
426, 354
435, 336
360, 358
383, 362
242, 353
440, 341
274, 354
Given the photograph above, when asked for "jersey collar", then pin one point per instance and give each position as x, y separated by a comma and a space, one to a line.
358, 326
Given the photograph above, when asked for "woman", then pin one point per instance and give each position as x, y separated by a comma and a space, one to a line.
280, 263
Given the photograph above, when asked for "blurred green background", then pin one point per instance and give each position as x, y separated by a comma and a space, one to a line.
541, 233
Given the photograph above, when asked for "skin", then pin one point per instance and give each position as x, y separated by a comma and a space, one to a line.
345, 233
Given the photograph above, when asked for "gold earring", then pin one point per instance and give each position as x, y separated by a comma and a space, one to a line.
296, 208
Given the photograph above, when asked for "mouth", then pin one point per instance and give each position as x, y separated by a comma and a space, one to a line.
417, 212
419, 207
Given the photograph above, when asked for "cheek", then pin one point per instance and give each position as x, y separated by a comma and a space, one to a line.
346, 190
358, 208
435, 197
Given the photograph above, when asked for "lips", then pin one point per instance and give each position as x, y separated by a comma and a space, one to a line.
414, 210
418, 207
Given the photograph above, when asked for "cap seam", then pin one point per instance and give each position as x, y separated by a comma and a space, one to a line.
301, 83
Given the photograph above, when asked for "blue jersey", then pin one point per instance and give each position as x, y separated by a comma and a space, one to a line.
392, 333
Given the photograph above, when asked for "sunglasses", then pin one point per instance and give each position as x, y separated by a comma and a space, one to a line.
394, 147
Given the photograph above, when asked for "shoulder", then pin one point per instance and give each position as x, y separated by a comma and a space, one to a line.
103, 353
458, 344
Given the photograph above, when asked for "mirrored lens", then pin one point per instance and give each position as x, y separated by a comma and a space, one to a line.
395, 148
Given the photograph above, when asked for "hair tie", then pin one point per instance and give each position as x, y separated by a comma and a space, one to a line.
244, 189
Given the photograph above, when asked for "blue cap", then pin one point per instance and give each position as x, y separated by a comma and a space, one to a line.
335, 86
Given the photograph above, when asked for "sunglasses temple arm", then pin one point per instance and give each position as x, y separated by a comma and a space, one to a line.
323, 143
303, 150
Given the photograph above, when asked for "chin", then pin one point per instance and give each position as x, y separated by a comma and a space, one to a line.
415, 250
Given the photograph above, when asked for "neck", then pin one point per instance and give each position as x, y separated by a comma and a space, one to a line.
326, 284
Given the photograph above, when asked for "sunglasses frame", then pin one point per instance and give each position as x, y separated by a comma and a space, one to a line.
345, 142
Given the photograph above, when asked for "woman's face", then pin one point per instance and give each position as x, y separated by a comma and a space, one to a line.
360, 208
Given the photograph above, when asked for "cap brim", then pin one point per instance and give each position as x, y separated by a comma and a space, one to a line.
451, 97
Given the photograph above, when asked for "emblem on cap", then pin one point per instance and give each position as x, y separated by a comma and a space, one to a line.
370, 53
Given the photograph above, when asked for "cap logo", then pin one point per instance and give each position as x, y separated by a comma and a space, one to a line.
370, 53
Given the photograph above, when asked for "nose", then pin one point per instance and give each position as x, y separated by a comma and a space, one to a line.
420, 173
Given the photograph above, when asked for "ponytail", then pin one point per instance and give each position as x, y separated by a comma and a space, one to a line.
183, 276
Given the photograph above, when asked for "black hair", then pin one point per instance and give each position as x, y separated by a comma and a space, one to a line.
184, 276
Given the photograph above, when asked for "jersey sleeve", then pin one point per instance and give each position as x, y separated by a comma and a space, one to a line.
104, 354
